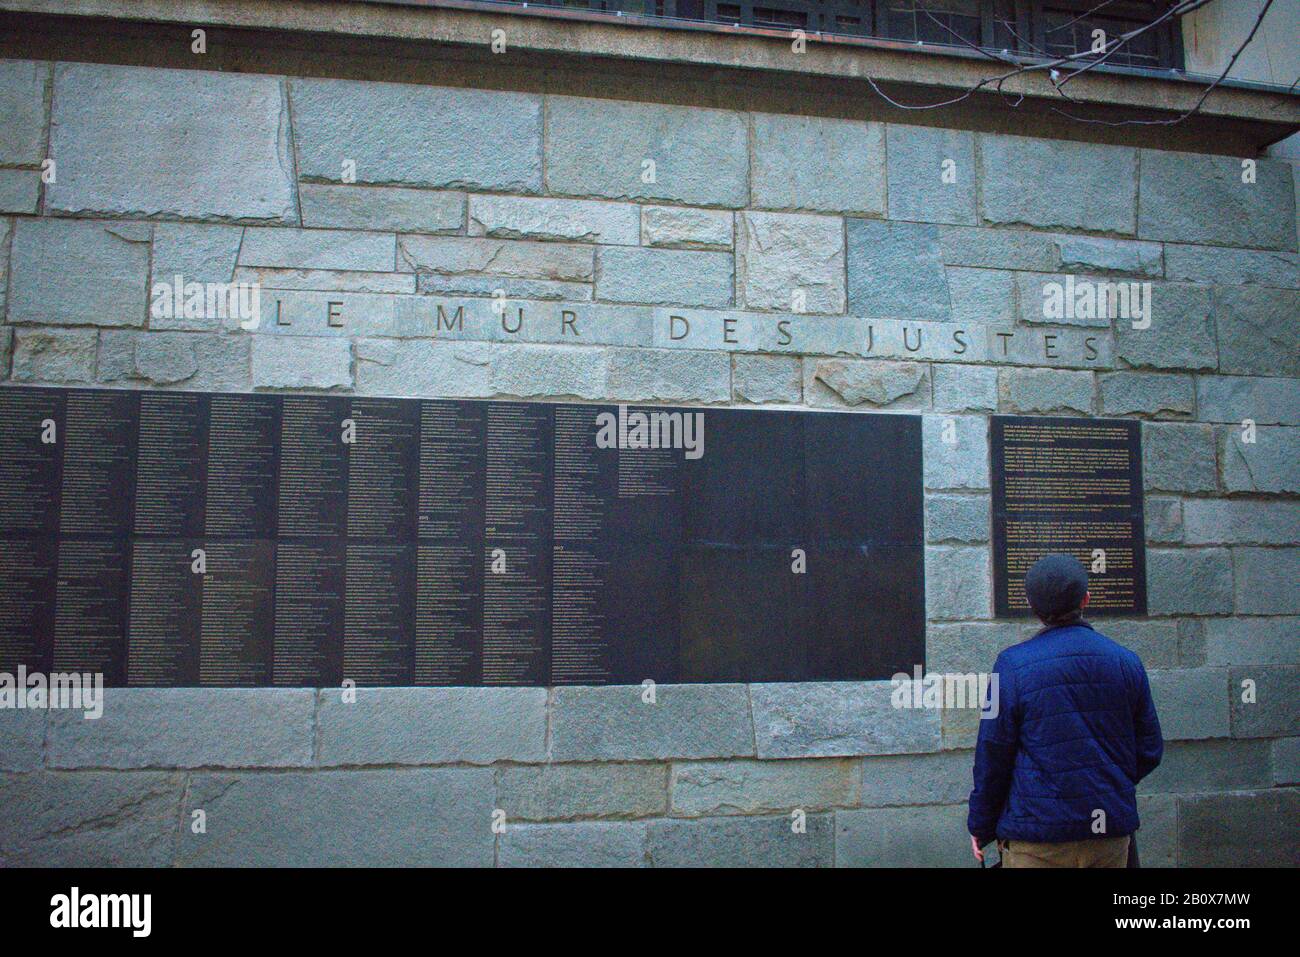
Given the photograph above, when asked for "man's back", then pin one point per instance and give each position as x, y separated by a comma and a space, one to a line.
1075, 731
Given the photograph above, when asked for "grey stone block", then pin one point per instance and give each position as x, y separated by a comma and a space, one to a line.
674, 277
1157, 835
1232, 266
196, 253
272, 278
1235, 522
549, 370
549, 792
668, 375
1144, 393
1189, 581
432, 726
1164, 520
687, 227
933, 836
406, 817
1266, 580
756, 787
1192, 702
1286, 761
381, 208
23, 84
1188, 767
956, 452
145, 142
319, 249
614, 723
1272, 713
301, 362
1191, 642
1181, 334
982, 295
871, 382
416, 368
22, 735
896, 270
74, 272
1154, 641
999, 248
416, 135
818, 163
961, 519
957, 582
1244, 829
187, 728
586, 844
1076, 185
1265, 401
89, 819
790, 262
918, 189
917, 779
766, 378
504, 287
54, 355
1069, 300
644, 151
1258, 329
580, 220
838, 719
20, 191
483, 256
1193, 198
1269, 464
1178, 458
1091, 253
741, 842
960, 388
1045, 390
1249, 641
214, 363
970, 647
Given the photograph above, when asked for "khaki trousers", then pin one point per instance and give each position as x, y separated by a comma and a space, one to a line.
1095, 852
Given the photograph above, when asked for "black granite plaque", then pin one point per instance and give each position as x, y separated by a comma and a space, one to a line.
1072, 486
189, 539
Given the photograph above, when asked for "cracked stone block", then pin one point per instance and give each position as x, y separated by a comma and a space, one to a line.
417, 368
684, 226
79, 273
394, 208
54, 355
89, 819
1094, 254
957, 582
1258, 330
144, 142
301, 362
853, 382
486, 257
1140, 393
1269, 464
579, 220
790, 262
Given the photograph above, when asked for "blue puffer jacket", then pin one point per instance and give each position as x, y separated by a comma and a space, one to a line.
1075, 731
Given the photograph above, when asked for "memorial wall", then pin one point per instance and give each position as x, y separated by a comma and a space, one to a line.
417, 468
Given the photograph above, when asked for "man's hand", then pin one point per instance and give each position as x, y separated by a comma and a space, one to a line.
975, 849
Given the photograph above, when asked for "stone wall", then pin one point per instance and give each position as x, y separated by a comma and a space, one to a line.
814, 262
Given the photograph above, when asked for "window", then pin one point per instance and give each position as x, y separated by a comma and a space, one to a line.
1036, 28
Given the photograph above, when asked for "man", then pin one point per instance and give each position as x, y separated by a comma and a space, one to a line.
1056, 770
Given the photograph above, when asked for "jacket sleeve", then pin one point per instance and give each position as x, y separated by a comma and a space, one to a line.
1150, 743
995, 756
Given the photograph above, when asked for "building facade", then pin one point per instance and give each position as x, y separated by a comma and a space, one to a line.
476, 201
